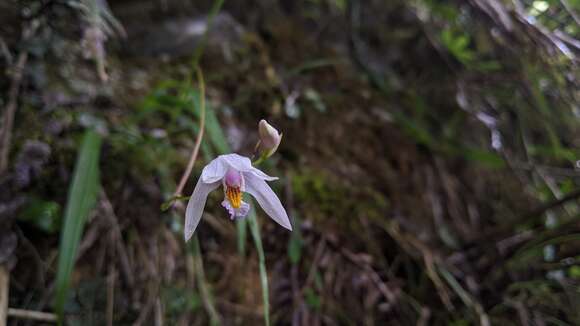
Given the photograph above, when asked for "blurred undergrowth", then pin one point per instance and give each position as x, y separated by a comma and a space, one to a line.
180, 109
488, 103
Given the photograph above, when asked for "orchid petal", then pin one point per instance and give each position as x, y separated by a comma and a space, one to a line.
267, 199
214, 170
258, 173
217, 169
236, 162
195, 206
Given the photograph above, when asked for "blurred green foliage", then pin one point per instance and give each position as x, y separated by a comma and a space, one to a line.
43, 214
179, 300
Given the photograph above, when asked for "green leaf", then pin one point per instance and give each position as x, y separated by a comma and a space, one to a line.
487, 158
43, 214
179, 300
82, 197
295, 245
574, 272
312, 299
215, 132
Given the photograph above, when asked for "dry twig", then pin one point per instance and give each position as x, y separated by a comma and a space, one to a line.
10, 109
118, 238
4, 284
197, 145
111, 285
32, 315
570, 11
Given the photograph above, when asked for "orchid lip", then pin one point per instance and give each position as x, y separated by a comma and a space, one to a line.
233, 178
234, 195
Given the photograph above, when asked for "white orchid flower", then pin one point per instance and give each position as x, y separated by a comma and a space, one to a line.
237, 175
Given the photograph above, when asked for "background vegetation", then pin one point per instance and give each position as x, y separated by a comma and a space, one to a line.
430, 161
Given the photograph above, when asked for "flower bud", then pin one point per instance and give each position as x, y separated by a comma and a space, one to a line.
269, 139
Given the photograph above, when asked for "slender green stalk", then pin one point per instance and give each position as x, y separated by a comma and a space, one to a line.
82, 196
241, 228
215, 9
205, 291
255, 230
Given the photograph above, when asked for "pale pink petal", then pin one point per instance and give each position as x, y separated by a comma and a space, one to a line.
214, 170
218, 168
195, 206
258, 173
236, 162
236, 212
267, 199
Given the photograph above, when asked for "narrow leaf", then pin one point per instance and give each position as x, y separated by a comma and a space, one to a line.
82, 196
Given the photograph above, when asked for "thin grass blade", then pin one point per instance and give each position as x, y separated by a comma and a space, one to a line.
204, 289
255, 231
82, 196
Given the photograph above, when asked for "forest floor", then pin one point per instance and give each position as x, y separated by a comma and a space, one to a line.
404, 210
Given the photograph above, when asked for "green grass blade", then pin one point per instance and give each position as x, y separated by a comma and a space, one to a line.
242, 227
255, 230
82, 196
215, 132
204, 289
213, 128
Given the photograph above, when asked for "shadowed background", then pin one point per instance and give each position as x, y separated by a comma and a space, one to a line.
429, 164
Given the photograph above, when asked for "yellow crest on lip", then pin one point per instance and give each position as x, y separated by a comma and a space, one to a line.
234, 195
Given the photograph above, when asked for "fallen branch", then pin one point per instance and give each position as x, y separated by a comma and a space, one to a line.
10, 110
4, 286
121, 249
195, 151
34, 315
12, 104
